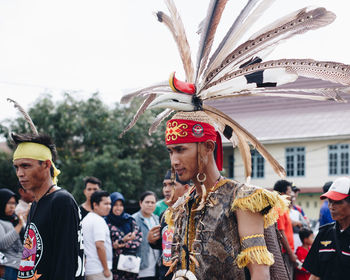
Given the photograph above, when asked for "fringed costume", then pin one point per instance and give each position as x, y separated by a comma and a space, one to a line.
207, 244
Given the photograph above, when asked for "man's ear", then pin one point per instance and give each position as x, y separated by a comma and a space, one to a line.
48, 163
210, 146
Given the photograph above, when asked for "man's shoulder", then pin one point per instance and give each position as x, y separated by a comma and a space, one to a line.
93, 219
62, 195
63, 200
326, 228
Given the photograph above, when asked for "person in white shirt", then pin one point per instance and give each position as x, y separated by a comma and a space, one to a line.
97, 241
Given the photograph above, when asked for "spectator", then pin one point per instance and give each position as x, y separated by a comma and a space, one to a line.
162, 205
125, 234
329, 256
146, 220
297, 207
325, 214
285, 227
24, 203
298, 221
97, 241
53, 246
10, 242
307, 238
91, 184
161, 237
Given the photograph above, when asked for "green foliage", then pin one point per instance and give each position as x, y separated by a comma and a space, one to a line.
86, 134
8, 177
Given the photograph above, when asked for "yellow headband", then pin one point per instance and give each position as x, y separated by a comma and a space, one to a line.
36, 151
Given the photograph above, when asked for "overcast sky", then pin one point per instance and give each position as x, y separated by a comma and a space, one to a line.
84, 46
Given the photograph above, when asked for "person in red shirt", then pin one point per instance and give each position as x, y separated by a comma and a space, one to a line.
285, 227
307, 238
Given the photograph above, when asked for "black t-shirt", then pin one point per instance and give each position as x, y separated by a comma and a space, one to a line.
83, 211
53, 246
329, 256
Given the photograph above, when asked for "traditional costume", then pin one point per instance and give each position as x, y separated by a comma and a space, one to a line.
206, 242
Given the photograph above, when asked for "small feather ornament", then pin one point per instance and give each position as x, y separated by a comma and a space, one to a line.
234, 70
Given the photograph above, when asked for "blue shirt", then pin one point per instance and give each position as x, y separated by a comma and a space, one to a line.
325, 214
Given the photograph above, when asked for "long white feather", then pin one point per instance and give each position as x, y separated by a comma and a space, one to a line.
277, 75
304, 21
324, 70
128, 97
244, 21
160, 117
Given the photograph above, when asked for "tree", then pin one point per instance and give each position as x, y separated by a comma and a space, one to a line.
86, 135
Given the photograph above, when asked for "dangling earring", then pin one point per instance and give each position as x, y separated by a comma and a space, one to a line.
201, 180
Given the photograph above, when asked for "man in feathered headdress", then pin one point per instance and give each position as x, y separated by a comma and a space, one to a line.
53, 247
219, 225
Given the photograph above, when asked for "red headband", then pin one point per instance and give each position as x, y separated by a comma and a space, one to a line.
179, 131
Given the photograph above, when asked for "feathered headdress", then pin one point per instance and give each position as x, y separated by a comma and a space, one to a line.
239, 70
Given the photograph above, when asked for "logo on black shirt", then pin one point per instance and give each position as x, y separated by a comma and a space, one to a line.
32, 252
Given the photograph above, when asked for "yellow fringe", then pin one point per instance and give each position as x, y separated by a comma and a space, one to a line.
168, 218
257, 254
259, 200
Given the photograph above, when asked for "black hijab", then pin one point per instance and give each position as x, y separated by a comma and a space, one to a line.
5, 196
124, 221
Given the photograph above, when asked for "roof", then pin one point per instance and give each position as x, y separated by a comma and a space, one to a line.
280, 119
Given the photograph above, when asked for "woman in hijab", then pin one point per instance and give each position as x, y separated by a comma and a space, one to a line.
10, 242
125, 234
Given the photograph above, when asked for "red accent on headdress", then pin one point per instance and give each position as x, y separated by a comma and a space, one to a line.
181, 86
179, 131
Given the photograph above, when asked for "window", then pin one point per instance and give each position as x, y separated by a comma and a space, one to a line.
231, 166
295, 161
338, 159
258, 163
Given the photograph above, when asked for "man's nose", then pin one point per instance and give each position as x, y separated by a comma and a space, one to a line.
19, 172
174, 159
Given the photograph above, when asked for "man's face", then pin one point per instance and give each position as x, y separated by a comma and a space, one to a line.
31, 173
183, 159
178, 191
103, 207
339, 209
289, 192
90, 188
167, 189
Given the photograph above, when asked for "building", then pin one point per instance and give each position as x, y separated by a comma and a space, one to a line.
311, 139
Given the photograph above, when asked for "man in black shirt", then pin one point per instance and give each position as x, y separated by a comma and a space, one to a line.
53, 244
161, 236
329, 256
92, 184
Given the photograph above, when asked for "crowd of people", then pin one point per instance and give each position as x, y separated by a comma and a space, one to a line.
44, 234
